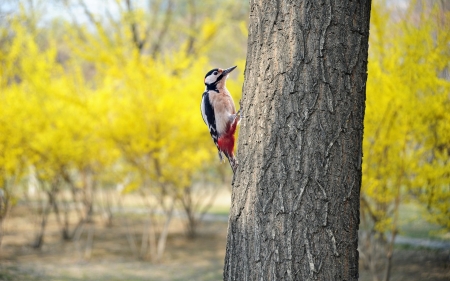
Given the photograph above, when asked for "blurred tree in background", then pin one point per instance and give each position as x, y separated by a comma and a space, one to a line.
106, 93
406, 136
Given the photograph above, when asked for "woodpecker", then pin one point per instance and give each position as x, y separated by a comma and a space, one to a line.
219, 113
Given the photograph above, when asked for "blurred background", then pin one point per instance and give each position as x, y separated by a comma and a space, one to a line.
107, 171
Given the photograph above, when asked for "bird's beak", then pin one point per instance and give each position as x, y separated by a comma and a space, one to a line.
228, 70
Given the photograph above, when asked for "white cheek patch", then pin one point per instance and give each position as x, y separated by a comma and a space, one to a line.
210, 79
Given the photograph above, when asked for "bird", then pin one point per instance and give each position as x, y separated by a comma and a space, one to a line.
219, 113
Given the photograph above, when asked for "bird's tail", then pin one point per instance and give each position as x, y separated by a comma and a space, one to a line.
233, 162
226, 145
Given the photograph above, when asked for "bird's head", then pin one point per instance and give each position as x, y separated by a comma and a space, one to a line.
215, 78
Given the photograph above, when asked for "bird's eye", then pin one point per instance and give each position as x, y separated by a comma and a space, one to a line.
215, 73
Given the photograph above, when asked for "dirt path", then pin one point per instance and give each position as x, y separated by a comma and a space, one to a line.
199, 259
424, 243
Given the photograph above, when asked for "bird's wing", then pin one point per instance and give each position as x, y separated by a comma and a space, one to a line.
209, 117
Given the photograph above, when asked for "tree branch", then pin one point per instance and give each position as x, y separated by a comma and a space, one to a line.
134, 29
163, 31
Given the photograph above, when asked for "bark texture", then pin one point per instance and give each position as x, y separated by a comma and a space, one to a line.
295, 197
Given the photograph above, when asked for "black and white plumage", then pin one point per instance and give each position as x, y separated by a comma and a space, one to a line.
210, 120
219, 113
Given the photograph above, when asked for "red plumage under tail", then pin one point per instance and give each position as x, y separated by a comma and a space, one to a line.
226, 143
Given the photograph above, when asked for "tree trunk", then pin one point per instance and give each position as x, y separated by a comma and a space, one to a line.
295, 197
39, 240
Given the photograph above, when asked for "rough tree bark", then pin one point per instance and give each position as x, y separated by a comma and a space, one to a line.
295, 197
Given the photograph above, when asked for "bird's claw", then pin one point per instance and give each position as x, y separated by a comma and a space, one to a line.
238, 113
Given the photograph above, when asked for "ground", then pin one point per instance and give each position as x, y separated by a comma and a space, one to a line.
185, 259
200, 258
